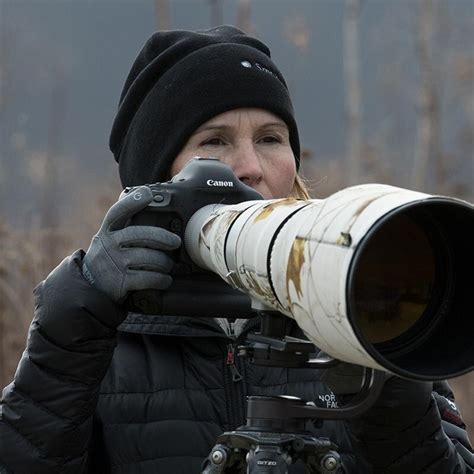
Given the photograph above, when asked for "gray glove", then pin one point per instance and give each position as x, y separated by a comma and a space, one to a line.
122, 259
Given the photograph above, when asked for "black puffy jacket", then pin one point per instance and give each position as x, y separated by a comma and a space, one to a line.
153, 396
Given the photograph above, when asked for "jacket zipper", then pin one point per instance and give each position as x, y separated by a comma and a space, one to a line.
235, 392
236, 377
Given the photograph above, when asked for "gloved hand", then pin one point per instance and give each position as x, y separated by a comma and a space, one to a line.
401, 432
402, 418
122, 259
400, 403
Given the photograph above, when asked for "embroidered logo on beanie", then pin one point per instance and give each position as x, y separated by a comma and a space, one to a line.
248, 65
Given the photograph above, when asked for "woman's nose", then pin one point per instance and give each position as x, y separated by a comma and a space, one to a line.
247, 165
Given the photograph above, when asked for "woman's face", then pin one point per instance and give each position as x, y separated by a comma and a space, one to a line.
253, 142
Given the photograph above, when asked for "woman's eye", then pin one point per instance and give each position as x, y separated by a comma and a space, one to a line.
214, 141
270, 139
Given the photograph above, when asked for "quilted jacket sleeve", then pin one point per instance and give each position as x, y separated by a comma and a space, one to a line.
452, 423
46, 412
408, 431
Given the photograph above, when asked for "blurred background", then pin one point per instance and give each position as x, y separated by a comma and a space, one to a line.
383, 92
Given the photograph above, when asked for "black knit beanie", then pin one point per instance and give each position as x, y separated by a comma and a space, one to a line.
182, 79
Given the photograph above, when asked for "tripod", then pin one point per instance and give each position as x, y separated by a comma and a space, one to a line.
275, 435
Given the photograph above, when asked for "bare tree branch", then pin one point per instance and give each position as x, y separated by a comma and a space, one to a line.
353, 90
428, 138
217, 13
163, 18
244, 15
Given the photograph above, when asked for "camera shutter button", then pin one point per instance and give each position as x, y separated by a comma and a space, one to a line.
158, 198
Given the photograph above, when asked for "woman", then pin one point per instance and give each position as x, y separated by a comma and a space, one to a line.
99, 390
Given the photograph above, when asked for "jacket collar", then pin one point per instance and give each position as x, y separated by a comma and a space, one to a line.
180, 326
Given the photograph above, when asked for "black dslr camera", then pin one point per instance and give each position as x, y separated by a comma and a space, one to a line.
194, 292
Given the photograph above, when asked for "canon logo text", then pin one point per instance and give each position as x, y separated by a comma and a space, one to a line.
224, 184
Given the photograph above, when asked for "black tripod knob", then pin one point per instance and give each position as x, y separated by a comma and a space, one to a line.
268, 460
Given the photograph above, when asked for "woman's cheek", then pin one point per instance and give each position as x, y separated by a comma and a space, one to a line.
287, 173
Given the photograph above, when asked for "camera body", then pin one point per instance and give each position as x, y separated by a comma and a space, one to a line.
202, 181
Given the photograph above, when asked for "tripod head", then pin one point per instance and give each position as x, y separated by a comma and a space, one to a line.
276, 433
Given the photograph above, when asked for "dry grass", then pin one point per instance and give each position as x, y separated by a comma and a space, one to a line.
25, 260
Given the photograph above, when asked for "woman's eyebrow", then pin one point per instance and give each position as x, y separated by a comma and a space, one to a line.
204, 128
274, 124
